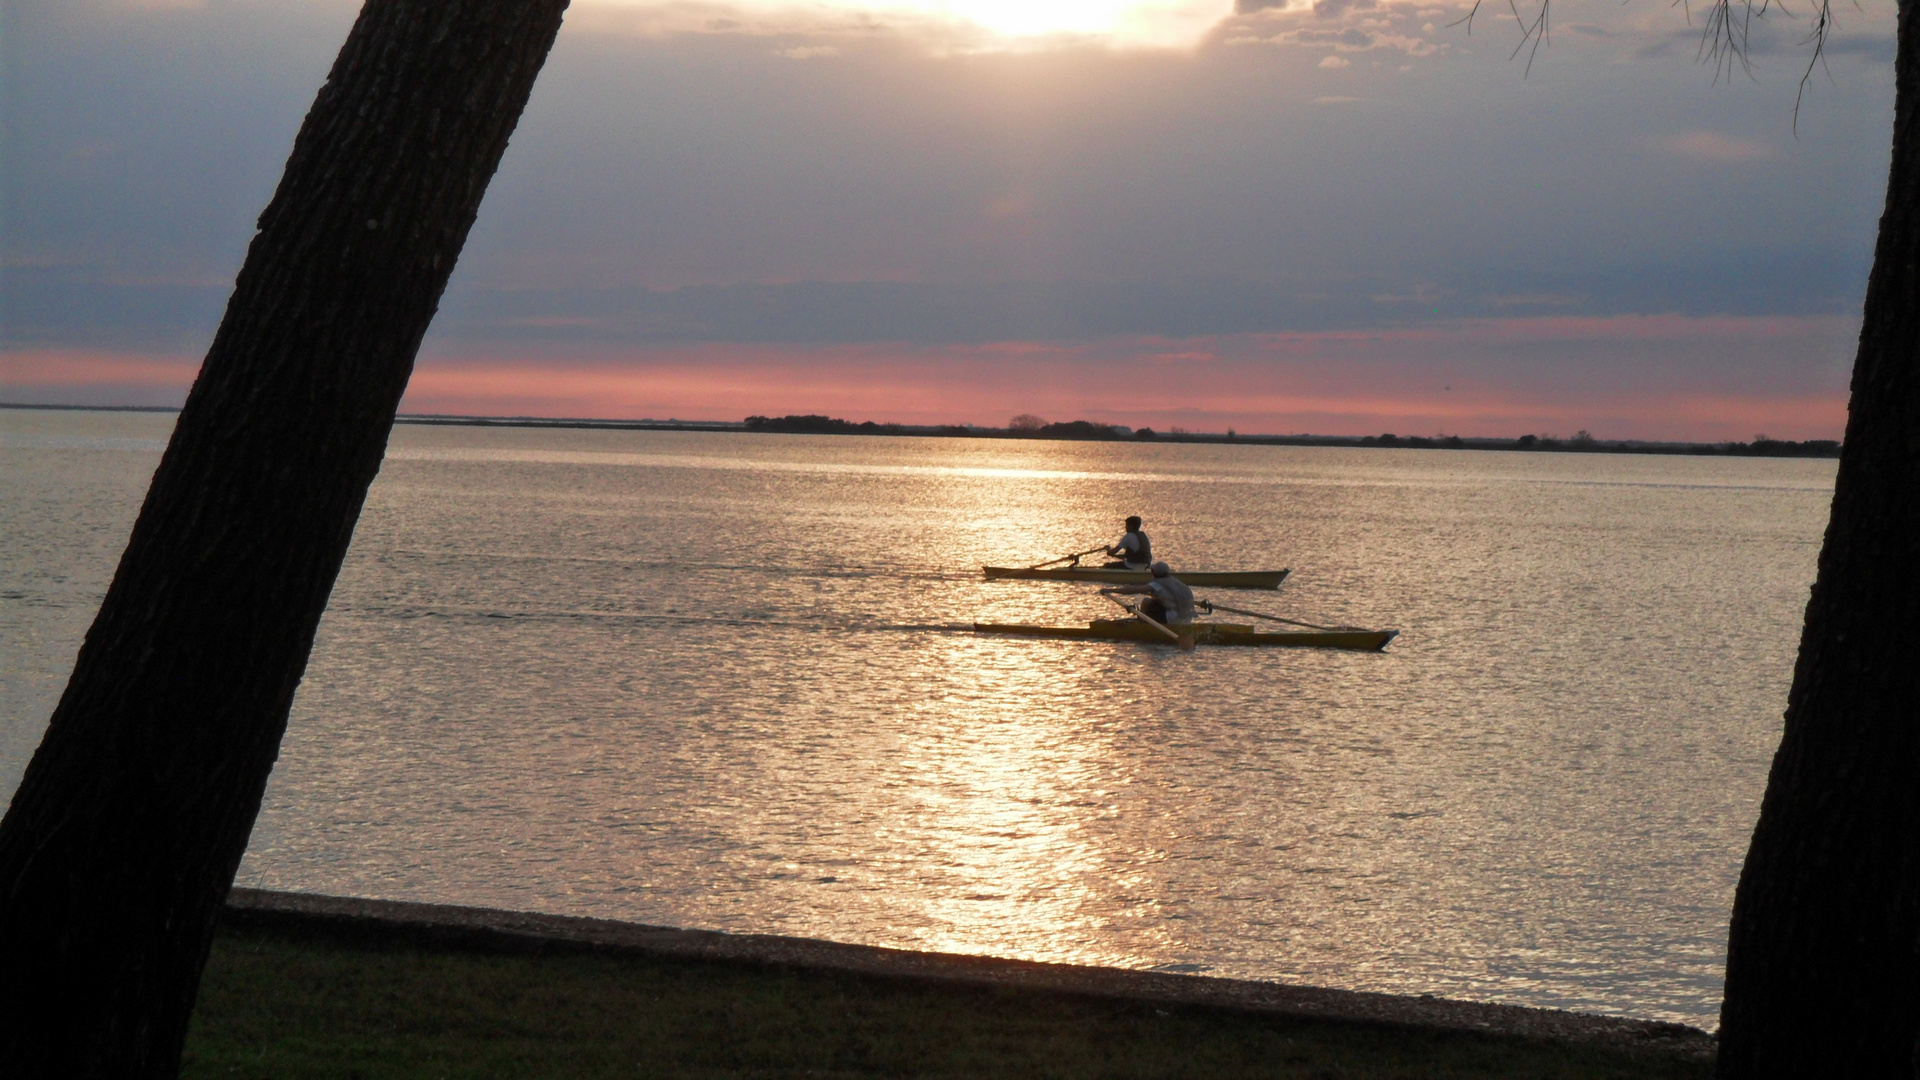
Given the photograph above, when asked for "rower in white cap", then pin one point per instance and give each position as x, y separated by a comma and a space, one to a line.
1168, 598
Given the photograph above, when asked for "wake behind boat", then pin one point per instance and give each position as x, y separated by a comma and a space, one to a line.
1242, 634
1228, 579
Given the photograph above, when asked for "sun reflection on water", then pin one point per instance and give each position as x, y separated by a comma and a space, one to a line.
1007, 781
558, 676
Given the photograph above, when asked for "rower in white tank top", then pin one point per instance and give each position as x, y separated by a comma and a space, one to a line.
1134, 550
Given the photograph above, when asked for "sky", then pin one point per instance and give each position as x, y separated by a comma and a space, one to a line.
1280, 216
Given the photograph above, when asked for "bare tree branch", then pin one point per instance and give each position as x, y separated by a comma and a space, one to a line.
1822, 26
1537, 30
1467, 18
1725, 40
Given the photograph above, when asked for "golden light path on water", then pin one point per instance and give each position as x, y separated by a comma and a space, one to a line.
998, 801
527, 456
729, 681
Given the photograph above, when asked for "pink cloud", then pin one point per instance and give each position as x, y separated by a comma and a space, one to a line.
95, 377
1715, 147
1653, 377
1658, 377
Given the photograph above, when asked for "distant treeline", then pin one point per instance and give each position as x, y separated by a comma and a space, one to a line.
814, 424
1583, 443
1026, 427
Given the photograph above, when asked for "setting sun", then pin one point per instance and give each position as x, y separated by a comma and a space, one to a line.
1154, 22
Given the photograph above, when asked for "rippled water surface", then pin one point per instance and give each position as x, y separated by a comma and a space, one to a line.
727, 681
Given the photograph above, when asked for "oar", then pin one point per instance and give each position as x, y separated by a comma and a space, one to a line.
1074, 558
1185, 641
1275, 618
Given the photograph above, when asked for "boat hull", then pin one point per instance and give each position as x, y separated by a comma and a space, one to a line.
1203, 634
1241, 579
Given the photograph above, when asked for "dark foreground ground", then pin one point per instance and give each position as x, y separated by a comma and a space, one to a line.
293, 993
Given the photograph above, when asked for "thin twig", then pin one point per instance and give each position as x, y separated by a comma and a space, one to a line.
1726, 39
1467, 18
1538, 30
1822, 27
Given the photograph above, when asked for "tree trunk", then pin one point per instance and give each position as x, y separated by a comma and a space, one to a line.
1823, 956
123, 838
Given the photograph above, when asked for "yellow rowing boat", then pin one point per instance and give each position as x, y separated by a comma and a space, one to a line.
1203, 634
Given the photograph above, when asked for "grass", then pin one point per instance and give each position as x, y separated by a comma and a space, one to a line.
288, 1005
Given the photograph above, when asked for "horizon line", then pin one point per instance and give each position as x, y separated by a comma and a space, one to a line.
1386, 440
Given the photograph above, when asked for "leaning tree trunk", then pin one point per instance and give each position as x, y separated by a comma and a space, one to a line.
124, 835
1823, 957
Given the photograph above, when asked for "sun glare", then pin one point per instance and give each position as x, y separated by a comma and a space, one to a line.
1162, 23
1167, 24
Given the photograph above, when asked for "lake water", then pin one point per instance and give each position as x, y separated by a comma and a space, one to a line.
728, 681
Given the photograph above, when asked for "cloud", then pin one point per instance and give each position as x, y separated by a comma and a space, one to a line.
1873, 48
95, 377
695, 191
1715, 147
1336, 9
1535, 300
1424, 293
1331, 61
949, 26
1784, 43
60, 307
1359, 38
1664, 377
1803, 281
1631, 33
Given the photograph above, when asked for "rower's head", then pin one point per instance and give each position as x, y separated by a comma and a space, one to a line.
1133, 524
1161, 569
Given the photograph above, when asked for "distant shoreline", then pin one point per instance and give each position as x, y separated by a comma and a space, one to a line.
1083, 431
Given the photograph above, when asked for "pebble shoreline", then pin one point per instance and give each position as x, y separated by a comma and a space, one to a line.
491, 930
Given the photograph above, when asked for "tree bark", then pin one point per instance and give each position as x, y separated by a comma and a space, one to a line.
123, 838
1823, 954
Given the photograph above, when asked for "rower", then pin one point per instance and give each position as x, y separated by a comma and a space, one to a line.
1134, 550
1168, 598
